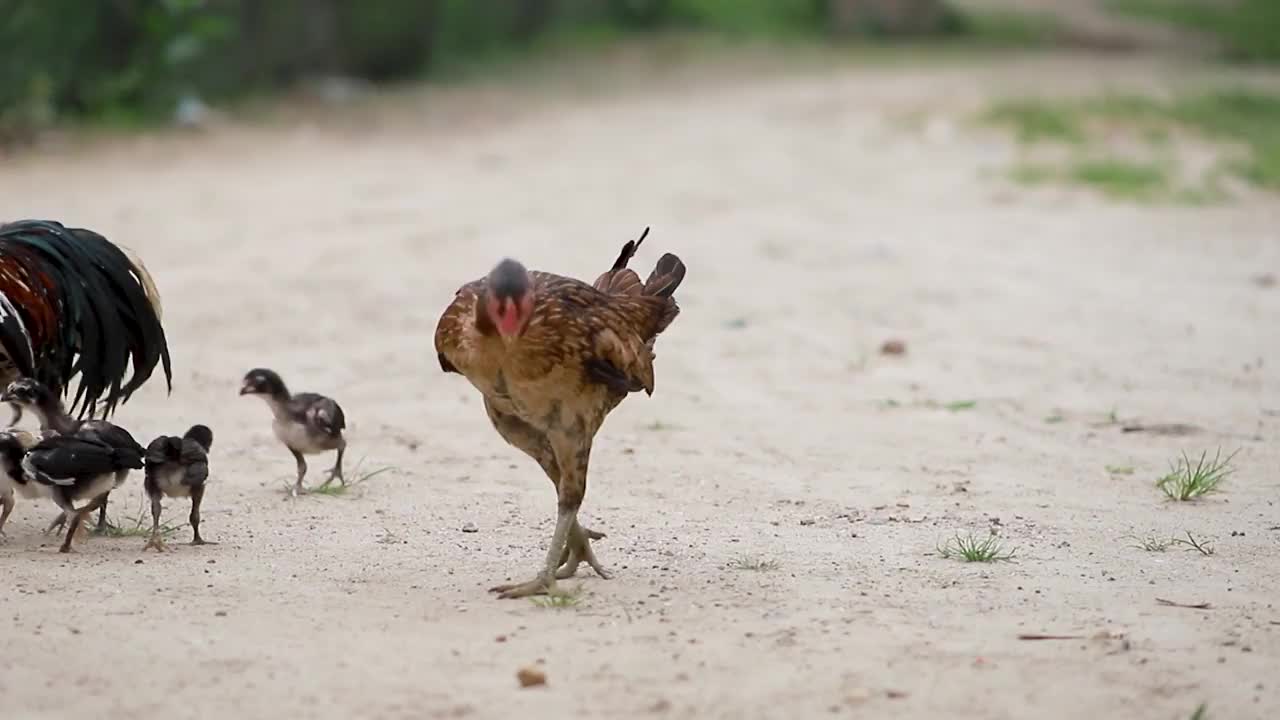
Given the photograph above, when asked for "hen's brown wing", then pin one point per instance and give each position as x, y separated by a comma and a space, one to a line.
456, 324
609, 336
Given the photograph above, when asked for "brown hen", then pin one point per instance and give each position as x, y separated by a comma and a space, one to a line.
552, 356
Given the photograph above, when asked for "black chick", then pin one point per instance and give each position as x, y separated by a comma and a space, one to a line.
67, 469
177, 467
8, 487
26, 393
306, 423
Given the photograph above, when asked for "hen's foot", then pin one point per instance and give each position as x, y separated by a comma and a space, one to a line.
541, 585
577, 550
155, 543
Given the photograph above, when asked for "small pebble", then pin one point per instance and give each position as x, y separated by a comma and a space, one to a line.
531, 677
470, 528
893, 347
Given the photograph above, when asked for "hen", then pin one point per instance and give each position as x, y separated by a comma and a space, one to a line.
72, 303
552, 357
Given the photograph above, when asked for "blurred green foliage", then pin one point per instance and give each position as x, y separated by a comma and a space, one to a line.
126, 61
1248, 29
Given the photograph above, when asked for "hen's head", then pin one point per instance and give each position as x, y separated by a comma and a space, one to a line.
261, 381
508, 298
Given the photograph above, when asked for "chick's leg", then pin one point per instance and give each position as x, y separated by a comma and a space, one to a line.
103, 525
7, 502
58, 523
197, 495
155, 542
77, 520
336, 472
302, 472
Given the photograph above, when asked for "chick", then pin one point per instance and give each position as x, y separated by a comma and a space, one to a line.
26, 393
177, 467
81, 467
8, 486
306, 423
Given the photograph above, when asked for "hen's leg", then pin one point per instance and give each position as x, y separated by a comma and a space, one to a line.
7, 502
570, 490
302, 472
156, 542
197, 495
536, 445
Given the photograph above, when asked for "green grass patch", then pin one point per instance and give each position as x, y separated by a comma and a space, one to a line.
1187, 480
1035, 120
1122, 179
1246, 123
753, 563
973, 549
1248, 30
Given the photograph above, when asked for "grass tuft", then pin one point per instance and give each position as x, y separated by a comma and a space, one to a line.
973, 549
1198, 545
1151, 543
1122, 179
1187, 480
1034, 120
753, 563
561, 599
337, 488
1245, 122
139, 524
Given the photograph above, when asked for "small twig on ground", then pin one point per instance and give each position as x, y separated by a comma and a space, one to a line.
1191, 606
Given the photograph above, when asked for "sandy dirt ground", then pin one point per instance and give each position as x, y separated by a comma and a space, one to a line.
821, 212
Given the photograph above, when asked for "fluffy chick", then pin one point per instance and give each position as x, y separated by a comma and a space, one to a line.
67, 469
177, 467
44, 403
306, 423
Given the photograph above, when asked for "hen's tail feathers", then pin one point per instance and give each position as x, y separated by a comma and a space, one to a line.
618, 280
666, 277
86, 307
148, 283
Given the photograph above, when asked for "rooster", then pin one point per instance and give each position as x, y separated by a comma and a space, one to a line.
552, 357
72, 303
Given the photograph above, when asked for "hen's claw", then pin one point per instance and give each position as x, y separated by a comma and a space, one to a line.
541, 585
577, 550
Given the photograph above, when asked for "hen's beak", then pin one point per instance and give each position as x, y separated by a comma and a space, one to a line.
245, 389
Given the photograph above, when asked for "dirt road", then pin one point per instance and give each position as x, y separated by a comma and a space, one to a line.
773, 511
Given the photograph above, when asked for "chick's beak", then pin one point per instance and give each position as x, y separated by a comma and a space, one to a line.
246, 388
